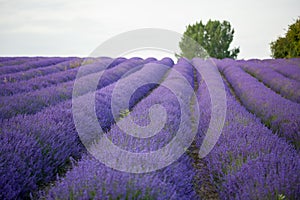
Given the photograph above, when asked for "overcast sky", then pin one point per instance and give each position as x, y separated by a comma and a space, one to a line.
70, 27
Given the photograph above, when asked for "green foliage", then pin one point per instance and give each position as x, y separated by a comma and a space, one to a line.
281, 197
124, 113
289, 45
208, 40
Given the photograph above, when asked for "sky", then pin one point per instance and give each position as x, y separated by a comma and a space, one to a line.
77, 28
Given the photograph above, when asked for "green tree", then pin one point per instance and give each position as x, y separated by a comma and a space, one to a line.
289, 45
211, 39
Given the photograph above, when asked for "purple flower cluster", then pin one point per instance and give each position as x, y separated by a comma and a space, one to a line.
286, 67
33, 153
288, 88
116, 62
91, 179
7, 61
30, 65
295, 61
278, 113
248, 161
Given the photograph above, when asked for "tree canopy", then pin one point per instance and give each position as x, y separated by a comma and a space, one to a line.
289, 45
212, 39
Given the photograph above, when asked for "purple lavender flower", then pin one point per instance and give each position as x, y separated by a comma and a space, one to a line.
286, 67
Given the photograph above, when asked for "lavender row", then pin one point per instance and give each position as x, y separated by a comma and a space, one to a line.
62, 66
32, 102
284, 66
56, 78
34, 149
4, 59
34, 153
30, 65
248, 160
37, 72
11, 60
288, 88
278, 113
17, 60
91, 179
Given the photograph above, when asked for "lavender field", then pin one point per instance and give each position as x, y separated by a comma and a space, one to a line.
43, 156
